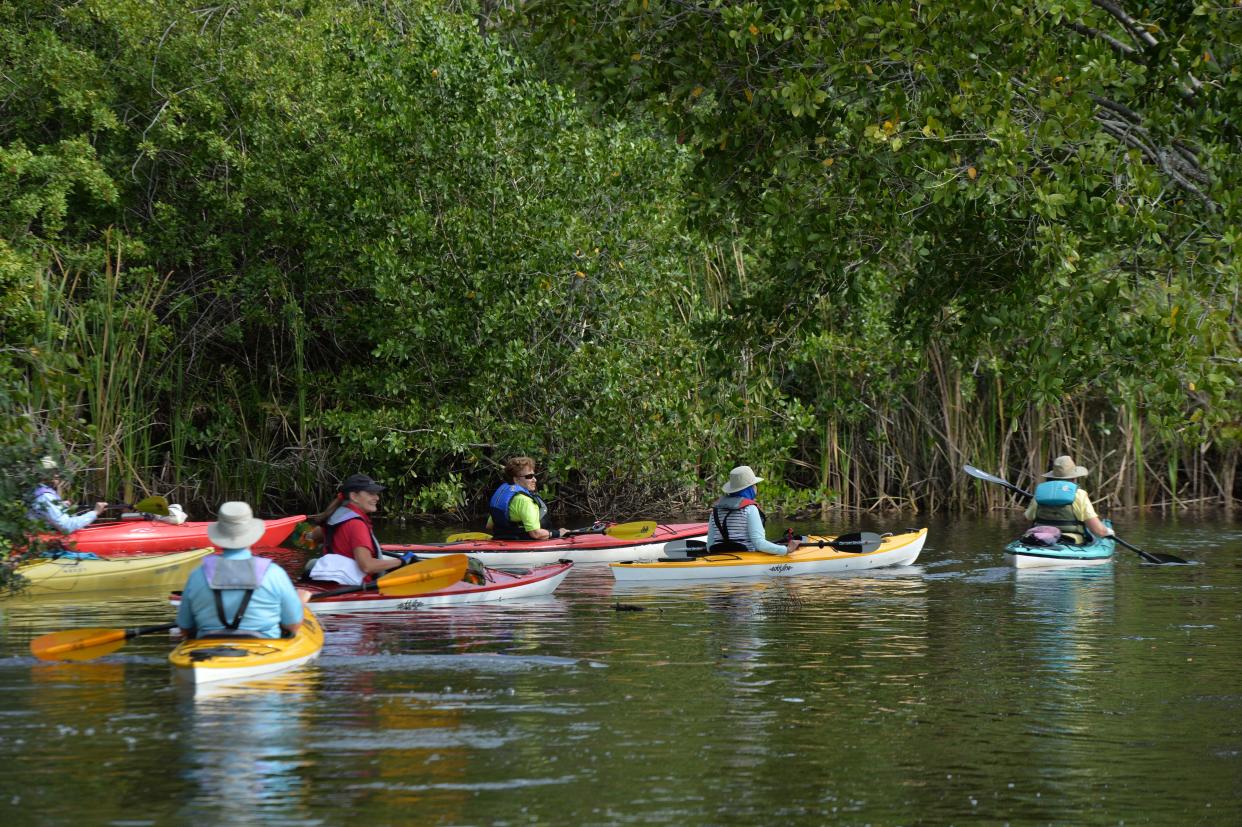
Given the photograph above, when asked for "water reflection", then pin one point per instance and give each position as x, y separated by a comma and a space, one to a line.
245, 752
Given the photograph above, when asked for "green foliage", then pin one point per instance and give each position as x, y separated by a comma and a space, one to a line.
248, 249
1032, 189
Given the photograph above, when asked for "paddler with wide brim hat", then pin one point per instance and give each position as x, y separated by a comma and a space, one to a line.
736, 523
1066, 504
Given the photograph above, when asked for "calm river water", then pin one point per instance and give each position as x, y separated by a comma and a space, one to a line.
956, 690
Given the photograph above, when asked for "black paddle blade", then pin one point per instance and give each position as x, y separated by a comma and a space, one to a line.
1157, 559
1154, 558
859, 542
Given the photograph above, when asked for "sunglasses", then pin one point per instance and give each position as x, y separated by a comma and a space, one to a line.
528, 476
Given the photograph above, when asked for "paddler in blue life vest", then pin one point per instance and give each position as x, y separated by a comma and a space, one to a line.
516, 511
235, 594
736, 522
46, 503
1062, 503
352, 554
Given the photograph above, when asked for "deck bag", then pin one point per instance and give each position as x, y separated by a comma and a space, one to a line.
224, 575
1042, 535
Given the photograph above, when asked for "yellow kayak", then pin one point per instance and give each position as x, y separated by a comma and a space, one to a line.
815, 557
69, 575
235, 658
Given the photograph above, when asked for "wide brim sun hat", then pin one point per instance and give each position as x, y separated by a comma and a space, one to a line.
235, 526
1064, 468
740, 478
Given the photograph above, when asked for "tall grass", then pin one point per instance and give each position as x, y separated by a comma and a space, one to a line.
104, 336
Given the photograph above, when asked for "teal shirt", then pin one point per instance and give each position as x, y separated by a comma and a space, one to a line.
273, 604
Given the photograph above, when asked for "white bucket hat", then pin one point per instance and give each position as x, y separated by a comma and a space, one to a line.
1064, 468
235, 526
49, 464
739, 478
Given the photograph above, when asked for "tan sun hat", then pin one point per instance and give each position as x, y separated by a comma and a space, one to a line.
235, 526
1064, 468
739, 478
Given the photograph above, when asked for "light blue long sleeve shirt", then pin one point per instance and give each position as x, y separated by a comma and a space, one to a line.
51, 509
754, 531
273, 604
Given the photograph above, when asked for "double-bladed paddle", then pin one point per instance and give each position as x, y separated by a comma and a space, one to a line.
859, 542
639, 530
147, 505
1150, 557
407, 581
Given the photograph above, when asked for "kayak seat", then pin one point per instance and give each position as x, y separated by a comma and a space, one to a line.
218, 652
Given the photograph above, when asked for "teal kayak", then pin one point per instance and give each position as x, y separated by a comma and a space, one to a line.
1026, 555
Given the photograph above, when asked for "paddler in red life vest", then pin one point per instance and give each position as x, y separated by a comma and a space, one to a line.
1063, 504
516, 511
352, 554
736, 522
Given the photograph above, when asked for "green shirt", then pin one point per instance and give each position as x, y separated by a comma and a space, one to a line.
523, 511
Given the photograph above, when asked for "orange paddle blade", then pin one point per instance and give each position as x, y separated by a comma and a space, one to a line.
424, 576
66, 645
85, 644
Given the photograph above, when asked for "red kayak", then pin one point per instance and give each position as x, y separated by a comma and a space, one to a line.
497, 585
580, 548
142, 537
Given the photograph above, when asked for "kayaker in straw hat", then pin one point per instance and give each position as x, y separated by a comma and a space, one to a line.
736, 522
1063, 504
47, 505
235, 594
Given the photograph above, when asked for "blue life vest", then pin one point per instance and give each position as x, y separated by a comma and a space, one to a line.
502, 527
1056, 493
1054, 505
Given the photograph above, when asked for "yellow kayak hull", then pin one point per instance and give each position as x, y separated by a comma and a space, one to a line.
231, 658
66, 575
896, 550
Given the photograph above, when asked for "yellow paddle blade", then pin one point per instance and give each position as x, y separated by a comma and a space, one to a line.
77, 644
152, 505
632, 531
425, 576
467, 535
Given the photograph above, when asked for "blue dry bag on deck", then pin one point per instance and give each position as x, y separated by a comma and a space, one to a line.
1056, 493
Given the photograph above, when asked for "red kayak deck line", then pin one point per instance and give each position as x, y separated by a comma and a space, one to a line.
142, 537
579, 548
664, 533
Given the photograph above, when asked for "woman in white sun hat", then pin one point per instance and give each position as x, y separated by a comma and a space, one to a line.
736, 522
1064, 504
235, 594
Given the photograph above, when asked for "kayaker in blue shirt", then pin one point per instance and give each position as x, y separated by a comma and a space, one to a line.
1063, 504
516, 511
46, 503
235, 594
736, 523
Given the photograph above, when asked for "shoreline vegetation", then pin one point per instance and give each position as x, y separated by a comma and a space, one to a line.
248, 250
